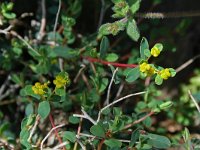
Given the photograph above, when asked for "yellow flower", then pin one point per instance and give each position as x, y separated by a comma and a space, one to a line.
39, 88
165, 73
155, 51
61, 80
151, 71
144, 67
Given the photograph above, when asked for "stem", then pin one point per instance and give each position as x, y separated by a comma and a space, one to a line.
100, 144
56, 131
90, 59
138, 121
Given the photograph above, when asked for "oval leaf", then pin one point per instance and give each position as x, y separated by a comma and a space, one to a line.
158, 80
104, 47
158, 141
133, 74
44, 109
112, 57
132, 30
97, 130
143, 45
113, 143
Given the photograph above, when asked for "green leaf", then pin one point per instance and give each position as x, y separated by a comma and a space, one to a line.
15, 78
60, 91
27, 91
112, 28
186, 135
147, 53
172, 72
103, 84
112, 57
9, 15
71, 136
165, 105
143, 45
29, 109
134, 137
44, 109
158, 141
132, 30
24, 135
113, 143
106, 111
74, 120
97, 130
64, 52
117, 111
120, 9
104, 45
55, 98
9, 6
147, 122
133, 75
158, 80
159, 46
135, 5
17, 50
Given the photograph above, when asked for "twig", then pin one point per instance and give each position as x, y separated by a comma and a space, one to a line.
194, 101
3, 86
25, 42
10, 90
138, 121
54, 31
56, 20
43, 21
88, 135
60, 145
79, 73
34, 128
119, 90
24, 15
78, 132
162, 15
117, 101
5, 144
85, 116
187, 63
85, 79
101, 13
56, 132
6, 30
81, 144
109, 87
6, 102
92, 136
45, 138
61, 65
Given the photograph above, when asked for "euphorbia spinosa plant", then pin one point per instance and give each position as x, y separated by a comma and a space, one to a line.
106, 131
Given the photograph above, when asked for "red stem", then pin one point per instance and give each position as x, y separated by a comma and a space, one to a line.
56, 131
100, 144
110, 63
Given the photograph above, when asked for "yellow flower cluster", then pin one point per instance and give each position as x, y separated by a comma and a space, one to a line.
39, 88
61, 80
155, 51
165, 73
147, 69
